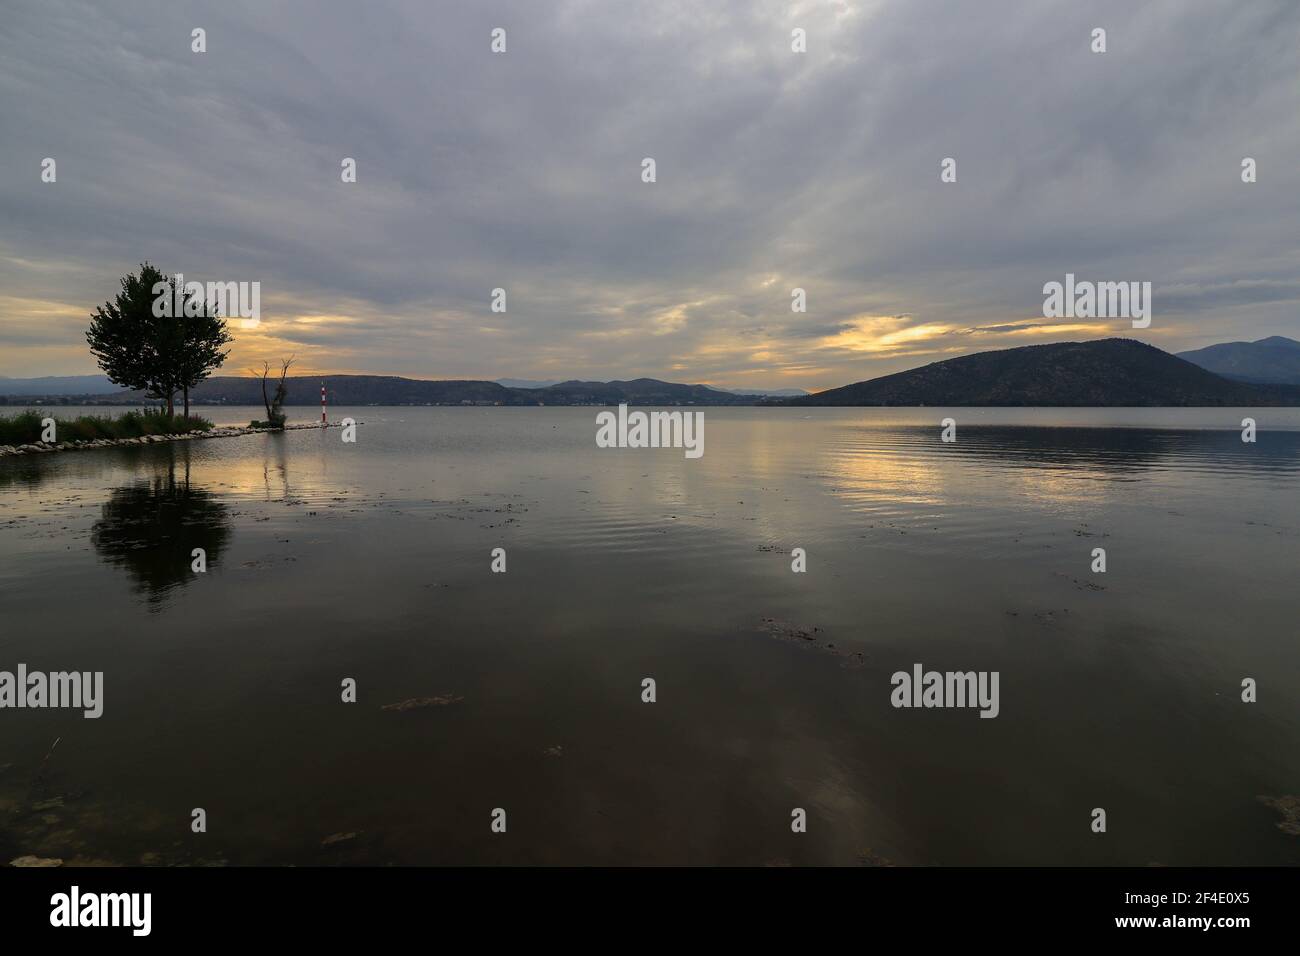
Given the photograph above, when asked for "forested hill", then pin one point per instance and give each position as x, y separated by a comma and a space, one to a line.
1107, 372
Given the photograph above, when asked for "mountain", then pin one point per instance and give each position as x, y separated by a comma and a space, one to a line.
766, 392
1108, 372
59, 385
1274, 360
393, 390
641, 385
639, 391
355, 390
524, 383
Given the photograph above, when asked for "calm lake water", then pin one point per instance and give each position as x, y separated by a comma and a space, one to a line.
372, 560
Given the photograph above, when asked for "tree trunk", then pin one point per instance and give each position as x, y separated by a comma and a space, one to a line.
266, 402
187, 403
171, 404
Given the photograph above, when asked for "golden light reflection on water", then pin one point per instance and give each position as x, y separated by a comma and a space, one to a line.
897, 468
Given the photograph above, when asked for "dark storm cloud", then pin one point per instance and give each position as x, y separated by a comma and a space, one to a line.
775, 170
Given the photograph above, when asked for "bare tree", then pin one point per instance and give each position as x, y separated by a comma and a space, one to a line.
263, 375
281, 393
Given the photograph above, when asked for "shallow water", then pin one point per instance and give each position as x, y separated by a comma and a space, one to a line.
372, 561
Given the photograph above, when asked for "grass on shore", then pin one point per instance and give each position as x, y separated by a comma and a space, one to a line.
25, 428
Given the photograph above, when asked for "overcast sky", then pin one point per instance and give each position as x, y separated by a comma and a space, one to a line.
775, 170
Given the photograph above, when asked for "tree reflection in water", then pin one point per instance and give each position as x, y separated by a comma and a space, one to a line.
152, 526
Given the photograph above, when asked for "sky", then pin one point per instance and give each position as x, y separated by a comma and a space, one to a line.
775, 170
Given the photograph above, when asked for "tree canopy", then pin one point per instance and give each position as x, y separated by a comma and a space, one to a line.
158, 354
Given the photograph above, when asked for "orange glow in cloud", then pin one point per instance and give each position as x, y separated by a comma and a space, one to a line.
885, 333
1048, 329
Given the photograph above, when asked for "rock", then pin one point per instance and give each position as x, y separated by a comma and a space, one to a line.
75, 445
35, 861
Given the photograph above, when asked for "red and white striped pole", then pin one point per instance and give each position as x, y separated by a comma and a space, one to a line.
322, 403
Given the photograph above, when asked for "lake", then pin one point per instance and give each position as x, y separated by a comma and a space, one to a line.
372, 561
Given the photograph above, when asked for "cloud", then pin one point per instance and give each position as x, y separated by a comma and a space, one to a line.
775, 170
1096, 329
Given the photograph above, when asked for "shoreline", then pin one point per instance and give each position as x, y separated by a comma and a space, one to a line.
229, 431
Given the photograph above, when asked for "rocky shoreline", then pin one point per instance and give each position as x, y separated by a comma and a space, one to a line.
225, 432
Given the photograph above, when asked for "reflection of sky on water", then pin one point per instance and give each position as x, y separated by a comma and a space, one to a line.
371, 561
1053, 466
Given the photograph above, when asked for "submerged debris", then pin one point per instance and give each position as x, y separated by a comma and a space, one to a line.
416, 703
1289, 807
788, 631
869, 858
1081, 585
812, 637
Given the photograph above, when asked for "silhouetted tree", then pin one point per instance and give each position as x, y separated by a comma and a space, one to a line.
124, 337
274, 406
281, 393
266, 399
156, 354
201, 353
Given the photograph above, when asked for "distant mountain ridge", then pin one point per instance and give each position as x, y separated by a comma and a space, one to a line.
354, 390
639, 391
1104, 373
394, 390
534, 384
1274, 360
1100, 373
768, 392
59, 385
525, 383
